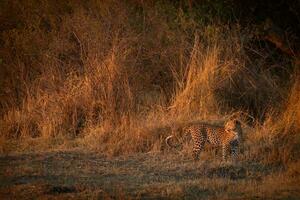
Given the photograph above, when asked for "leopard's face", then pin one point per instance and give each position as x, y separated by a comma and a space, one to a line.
234, 128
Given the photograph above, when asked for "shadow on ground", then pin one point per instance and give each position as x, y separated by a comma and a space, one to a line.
91, 175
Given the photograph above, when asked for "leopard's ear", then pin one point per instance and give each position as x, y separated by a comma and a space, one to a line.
234, 116
227, 125
236, 121
227, 129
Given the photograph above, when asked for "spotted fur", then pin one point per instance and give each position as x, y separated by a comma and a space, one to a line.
226, 137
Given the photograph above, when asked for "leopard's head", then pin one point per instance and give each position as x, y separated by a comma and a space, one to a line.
235, 128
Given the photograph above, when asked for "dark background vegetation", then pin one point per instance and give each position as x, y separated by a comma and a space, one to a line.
79, 68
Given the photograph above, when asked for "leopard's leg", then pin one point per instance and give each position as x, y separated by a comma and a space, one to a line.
196, 154
224, 151
197, 148
234, 148
198, 145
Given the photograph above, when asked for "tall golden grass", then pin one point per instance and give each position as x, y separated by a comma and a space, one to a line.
116, 76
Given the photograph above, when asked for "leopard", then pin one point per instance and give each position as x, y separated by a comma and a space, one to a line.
227, 137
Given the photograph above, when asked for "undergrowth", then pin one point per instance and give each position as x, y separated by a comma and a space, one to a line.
117, 77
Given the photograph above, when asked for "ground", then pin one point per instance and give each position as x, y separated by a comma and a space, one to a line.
90, 175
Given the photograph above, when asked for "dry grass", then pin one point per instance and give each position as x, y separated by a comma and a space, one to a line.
118, 77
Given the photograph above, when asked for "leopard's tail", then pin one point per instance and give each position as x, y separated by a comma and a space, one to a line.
168, 140
179, 145
169, 144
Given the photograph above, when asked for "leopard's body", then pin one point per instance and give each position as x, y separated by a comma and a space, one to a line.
227, 137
